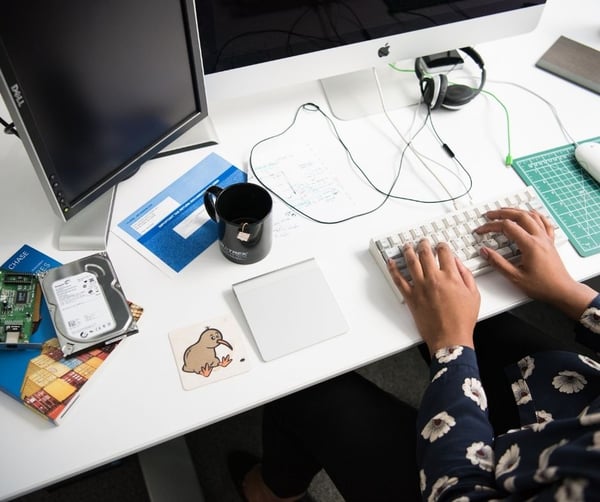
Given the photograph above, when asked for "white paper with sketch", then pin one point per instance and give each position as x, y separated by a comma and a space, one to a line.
308, 167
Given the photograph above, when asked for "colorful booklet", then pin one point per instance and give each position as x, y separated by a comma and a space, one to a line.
42, 378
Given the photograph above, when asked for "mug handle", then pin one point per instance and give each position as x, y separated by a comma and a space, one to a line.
210, 196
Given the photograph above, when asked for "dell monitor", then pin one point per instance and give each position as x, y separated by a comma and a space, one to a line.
273, 43
96, 88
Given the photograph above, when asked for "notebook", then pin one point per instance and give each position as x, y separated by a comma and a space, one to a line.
573, 61
289, 309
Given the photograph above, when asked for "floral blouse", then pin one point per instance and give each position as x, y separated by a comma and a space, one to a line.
555, 455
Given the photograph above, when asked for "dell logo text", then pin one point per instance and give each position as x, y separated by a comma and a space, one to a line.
17, 95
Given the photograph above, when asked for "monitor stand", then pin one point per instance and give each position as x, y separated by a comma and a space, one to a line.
88, 230
354, 95
199, 136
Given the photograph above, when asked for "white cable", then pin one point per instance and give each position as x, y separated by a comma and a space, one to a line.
410, 145
568, 137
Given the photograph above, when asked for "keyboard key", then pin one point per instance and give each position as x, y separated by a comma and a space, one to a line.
457, 230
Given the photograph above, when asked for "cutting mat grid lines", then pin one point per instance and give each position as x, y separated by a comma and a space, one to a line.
571, 195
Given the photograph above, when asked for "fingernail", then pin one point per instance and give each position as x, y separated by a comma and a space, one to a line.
483, 251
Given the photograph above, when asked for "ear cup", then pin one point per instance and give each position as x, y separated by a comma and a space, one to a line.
438, 93
458, 95
434, 90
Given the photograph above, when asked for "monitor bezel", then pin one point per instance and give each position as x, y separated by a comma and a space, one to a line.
32, 138
268, 76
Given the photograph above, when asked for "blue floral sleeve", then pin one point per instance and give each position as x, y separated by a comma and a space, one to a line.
454, 436
555, 453
588, 328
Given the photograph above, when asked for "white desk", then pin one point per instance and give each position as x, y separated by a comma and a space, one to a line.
138, 401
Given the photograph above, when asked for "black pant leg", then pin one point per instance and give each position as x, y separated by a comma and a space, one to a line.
499, 342
363, 437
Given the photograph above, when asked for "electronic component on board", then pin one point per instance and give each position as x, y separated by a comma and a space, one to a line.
20, 300
86, 303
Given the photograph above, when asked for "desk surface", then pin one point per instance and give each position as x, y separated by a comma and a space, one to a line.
138, 401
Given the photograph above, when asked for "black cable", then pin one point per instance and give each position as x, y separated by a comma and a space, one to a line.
311, 107
9, 128
450, 154
447, 150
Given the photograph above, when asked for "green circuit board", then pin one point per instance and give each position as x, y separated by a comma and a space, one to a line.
20, 300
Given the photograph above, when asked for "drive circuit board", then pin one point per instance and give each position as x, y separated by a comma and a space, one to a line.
20, 299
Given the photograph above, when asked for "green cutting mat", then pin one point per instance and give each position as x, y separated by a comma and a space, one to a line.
571, 195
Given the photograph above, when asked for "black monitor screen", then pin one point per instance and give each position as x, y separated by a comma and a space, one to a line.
96, 83
237, 33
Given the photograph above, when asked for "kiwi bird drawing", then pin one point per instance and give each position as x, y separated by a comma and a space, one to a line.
201, 357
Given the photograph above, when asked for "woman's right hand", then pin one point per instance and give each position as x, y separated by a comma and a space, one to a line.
541, 273
442, 297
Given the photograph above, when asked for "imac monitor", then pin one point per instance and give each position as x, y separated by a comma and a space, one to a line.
272, 43
95, 89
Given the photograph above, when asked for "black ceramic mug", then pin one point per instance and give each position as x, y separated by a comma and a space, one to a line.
243, 215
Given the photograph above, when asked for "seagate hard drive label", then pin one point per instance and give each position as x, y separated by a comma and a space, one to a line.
86, 304
83, 307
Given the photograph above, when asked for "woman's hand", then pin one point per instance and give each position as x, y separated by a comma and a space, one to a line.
443, 299
541, 273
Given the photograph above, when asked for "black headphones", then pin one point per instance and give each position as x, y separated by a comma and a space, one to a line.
436, 91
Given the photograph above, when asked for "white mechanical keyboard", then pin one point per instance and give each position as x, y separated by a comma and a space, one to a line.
456, 228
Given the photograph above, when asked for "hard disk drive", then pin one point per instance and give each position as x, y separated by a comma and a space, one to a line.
86, 303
